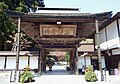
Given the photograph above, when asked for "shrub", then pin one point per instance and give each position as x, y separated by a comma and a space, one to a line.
26, 75
90, 76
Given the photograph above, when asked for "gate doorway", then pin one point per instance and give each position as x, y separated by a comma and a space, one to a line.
59, 61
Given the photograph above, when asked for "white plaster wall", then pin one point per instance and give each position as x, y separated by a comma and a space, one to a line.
33, 62
113, 39
2, 62
102, 36
11, 63
103, 43
119, 23
103, 62
88, 61
112, 35
23, 62
114, 43
116, 51
81, 61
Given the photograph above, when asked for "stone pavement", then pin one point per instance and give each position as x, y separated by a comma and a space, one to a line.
65, 79
69, 79
60, 76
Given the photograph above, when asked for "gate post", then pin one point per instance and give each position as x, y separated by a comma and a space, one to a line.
76, 61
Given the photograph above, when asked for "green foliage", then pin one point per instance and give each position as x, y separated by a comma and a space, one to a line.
24, 39
26, 75
50, 60
90, 68
7, 27
7, 31
67, 57
3, 6
90, 76
22, 5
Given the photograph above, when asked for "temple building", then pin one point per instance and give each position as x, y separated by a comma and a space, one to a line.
110, 42
59, 29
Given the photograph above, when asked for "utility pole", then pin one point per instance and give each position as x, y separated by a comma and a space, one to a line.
98, 48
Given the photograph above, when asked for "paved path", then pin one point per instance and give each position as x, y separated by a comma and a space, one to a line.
57, 70
68, 79
60, 76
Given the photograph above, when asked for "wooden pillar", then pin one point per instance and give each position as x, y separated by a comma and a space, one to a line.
39, 62
44, 60
18, 50
71, 61
41, 59
98, 48
91, 59
85, 61
18, 46
94, 43
29, 60
5, 62
76, 61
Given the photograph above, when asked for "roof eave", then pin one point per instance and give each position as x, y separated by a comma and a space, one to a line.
14, 14
106, 23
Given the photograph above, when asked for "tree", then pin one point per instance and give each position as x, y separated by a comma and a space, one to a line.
23, 5
50, 61
67, 57
3, 6
7, 27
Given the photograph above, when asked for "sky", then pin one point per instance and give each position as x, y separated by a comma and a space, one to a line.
86, 6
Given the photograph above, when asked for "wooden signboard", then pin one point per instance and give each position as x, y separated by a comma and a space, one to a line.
57, 30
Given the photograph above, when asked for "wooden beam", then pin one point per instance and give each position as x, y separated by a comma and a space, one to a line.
118, 27
55, 19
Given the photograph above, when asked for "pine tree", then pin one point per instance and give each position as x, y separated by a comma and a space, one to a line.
7, 27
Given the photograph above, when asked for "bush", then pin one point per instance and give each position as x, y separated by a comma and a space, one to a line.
26, 75
90, 76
